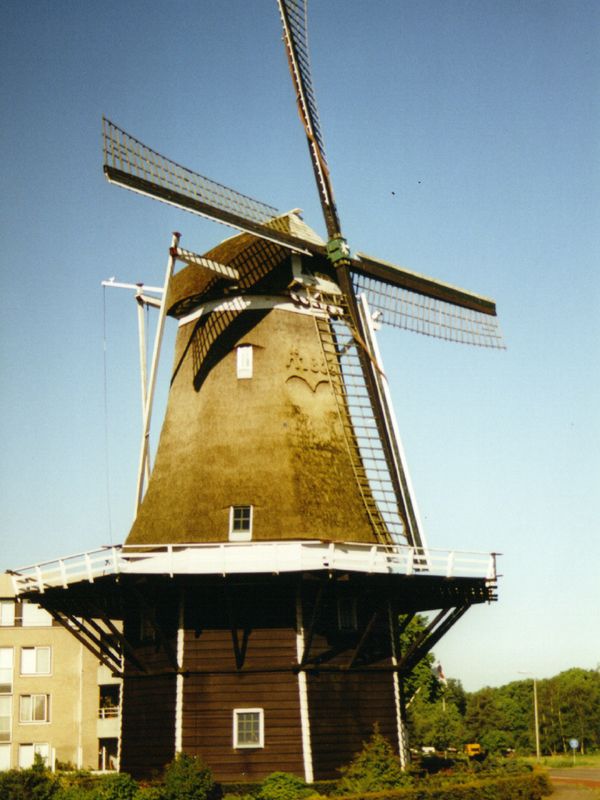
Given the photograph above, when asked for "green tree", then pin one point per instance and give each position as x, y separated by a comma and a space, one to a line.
375, 768
438, 725
421, 680
188, 778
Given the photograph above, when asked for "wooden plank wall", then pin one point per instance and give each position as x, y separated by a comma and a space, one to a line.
343, 710
148, 721
266, 619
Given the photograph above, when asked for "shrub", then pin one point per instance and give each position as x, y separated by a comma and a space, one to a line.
188, 778
119, 786
35, 783
375, 768
151, 792
283, 786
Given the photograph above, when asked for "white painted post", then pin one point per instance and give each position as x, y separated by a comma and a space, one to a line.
143, 365
179, 684
403, 752
160, 325
303, 690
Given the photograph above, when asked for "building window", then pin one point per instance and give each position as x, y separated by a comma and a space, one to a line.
244, 361
248, 727
109, 700
346, 613
33, 708
5, 718
35, 660
35, 616
4, 757
240, 523
7, 612
108, 754
6, 670
28, 752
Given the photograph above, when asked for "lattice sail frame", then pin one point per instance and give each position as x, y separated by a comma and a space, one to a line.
341, 351
412, 311
128, 155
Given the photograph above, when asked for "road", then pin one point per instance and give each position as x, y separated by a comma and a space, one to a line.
576, 783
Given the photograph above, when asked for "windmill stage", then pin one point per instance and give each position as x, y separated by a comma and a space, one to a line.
254, 610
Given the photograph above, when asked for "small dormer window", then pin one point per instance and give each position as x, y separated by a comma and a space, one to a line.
244, 361
240, 523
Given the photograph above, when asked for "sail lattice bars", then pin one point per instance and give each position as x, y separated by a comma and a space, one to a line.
126, 156
417, 312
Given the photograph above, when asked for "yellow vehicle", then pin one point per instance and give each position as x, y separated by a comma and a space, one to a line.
473, 749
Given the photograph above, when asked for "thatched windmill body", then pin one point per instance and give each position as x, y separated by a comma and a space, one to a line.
277, 550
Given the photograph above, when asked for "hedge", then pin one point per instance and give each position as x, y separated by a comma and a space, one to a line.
530, 786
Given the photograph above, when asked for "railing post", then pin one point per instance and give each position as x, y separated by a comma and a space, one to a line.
40, 582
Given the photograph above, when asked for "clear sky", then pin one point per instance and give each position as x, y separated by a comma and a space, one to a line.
463, 141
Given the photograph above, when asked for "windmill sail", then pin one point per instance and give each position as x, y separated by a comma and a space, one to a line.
294, 16
133, 165
423, 305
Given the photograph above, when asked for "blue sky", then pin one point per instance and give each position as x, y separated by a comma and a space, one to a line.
463, 142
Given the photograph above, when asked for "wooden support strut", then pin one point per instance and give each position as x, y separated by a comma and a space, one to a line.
363, 638
239, 651
98, 649
313, 622
128, 651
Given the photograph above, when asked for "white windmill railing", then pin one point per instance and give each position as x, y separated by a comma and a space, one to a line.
227, 558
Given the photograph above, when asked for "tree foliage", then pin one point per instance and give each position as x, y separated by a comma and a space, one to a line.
374, 769
502, 718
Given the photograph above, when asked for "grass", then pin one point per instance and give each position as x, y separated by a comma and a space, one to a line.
565, 760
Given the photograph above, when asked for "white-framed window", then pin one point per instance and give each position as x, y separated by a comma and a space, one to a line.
6, 670
5, 717
34, 708
35, 616
36, 660
7, 613
240, 523
248, 727
27, 753
4, 757
244, 361
346, 613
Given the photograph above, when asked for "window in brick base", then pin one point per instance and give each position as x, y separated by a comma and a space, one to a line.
248, 727
346, 613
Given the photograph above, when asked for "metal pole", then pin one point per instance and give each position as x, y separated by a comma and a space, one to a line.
160, 325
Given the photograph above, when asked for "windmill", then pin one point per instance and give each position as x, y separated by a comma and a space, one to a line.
277, 551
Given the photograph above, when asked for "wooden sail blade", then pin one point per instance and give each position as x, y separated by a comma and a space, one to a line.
131, 164
424, 305
293, 17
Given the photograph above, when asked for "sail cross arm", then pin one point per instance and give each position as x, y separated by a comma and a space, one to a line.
424, 305
385, 271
